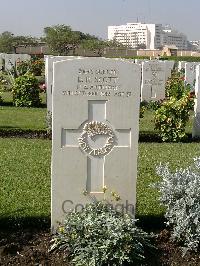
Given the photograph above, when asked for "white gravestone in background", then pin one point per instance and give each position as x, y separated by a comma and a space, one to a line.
9, 61
12, 59
49, 60
169, 65
196, 123
95, 132
153, 81
190, 73
181, 65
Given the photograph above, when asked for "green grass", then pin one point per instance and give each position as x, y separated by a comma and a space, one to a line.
25, 176
7, 97
147, 122
152, 154
34, 119
22, 118
25, 166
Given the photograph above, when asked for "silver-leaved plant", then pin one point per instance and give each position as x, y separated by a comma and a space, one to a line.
180, 194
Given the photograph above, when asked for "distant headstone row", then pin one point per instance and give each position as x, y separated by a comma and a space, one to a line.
49, 60
154, 76
7, 61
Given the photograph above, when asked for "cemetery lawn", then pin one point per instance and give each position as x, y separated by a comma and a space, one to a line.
178, 155
8, 98
25, 192
25, 178
18, 118
23, 118
147, 123
25, 201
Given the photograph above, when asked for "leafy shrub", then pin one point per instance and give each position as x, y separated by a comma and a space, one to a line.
34, 66
41, 79
172, 116
26, 91
151, 105
144, 104
5, 84
142, 110
143, 107
175, 86
99, 235
23, 67
37, 67
154, 105
180, 193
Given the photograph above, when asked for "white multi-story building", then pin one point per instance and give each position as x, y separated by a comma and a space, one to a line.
149, 36
137, 35
173, 37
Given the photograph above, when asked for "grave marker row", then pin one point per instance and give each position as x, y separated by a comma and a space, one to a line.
7, 61
154, 76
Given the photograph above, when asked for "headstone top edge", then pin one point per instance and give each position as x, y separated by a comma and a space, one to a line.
96, 60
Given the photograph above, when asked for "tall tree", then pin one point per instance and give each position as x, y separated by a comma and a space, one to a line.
61, 38
93, 44
6, 42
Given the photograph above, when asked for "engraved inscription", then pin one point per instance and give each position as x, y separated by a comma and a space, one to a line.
156, 81
97, 93
97, 82
99, 79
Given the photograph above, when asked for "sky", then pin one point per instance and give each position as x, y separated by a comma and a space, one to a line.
30, 17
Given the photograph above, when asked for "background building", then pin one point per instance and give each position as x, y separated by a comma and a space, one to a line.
170, 36
194, 45
137, 35
147, 36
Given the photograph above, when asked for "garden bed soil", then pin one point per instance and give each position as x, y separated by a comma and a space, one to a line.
29, 247
43, 134
27, 134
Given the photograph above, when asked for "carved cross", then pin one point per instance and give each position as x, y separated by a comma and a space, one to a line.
96, 138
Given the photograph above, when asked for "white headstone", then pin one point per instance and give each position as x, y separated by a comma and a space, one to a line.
181, 65
190, 73
12, 59
196, 123
153, 81
169, 65
49, 60
95, 132
9, 61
